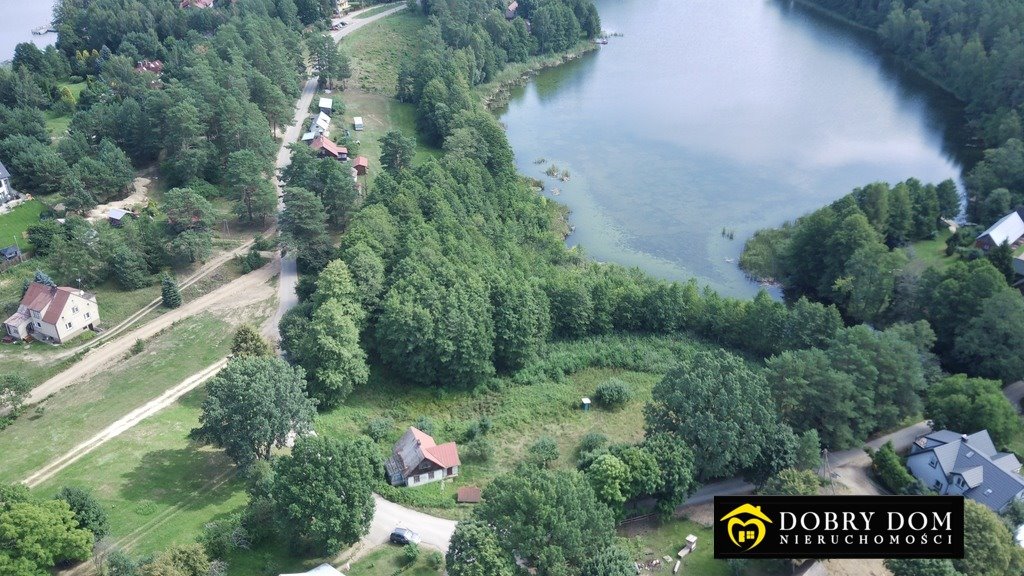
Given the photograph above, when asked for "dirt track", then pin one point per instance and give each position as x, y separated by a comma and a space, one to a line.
248, 289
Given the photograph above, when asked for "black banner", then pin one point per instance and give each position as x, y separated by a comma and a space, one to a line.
839, 527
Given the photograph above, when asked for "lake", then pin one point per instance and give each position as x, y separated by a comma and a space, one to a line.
707, 116
20, 17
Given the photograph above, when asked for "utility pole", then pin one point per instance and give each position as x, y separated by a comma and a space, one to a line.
826, 470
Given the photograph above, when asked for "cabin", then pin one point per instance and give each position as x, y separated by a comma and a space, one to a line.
321, 124
416, 459
53, 314
326, 105
328, 149
357, 122
510, 13
7, 193
154, 66
956, 464
116, 216
1009, 229
360, 165
195, 4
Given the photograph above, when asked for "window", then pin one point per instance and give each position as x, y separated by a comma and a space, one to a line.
74, 309
68, 325
933, 463
938, 485
38, 325
88, 315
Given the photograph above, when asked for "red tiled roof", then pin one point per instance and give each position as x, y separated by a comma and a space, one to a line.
195, 3
362, 161
332, 148
47, 300
445, 455
425, 440
468, 494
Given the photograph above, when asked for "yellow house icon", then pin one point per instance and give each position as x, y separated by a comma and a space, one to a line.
751, 531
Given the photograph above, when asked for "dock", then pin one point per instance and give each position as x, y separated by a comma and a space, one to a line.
44, 29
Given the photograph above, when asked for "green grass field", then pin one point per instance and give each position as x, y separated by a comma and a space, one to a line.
667, 538
77, 413
14, 223
390, 560
932, 253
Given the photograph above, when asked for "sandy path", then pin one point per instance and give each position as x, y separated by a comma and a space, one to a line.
125, 423
138, 197
248, 289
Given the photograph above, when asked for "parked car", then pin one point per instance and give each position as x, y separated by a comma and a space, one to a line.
404, 536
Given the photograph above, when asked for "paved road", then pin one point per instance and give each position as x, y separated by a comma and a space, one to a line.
289, 275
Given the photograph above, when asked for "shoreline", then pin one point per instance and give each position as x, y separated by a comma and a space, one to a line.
495, 93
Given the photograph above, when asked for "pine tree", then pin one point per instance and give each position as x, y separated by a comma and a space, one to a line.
170, 293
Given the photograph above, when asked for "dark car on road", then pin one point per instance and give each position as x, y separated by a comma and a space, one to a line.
404, 536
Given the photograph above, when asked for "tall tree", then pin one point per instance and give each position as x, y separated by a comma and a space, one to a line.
474, 551
253, 192
396, 151
253, 405
248, 342
323, 492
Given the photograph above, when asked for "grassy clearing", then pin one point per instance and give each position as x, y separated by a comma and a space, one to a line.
932, 253
14, 224
668, 538
57, 126
157, 488
77, 413
390, 560
377, 50
375, 11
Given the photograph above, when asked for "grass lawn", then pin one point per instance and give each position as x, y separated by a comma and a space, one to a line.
667, 538
77, 413
391, 560
519, 415
375, 11
157, 488
14, 223
932, 253
57, 126
376, 50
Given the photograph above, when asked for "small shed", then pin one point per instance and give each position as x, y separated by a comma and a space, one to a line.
321, 124
361, 164
326, 105
9, 253
116, 216
585, 404
468, 495
357, 122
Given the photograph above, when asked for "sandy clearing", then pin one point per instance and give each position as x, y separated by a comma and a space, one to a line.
139, 197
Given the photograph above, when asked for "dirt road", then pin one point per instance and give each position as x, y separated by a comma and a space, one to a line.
250, 288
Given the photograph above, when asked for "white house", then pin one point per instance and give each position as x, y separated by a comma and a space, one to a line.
6, 192
969, 465
321, 124
326, 105
1009, 229
357, 122
417, 459
53, 314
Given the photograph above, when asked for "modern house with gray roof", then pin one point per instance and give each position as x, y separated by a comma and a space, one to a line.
1009, 229
960, 464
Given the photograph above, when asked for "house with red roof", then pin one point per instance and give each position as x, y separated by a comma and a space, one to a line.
327, 148
53, 314
195, 4
360, 165
417, 459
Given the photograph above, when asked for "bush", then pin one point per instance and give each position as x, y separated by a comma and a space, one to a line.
613, 394
543, 452
435, 560
478, 449
263, 244
592, 445
426, 424
411, 552
476, 428
379, 428
891, 472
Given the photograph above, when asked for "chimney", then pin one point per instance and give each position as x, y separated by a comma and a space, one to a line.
963, 437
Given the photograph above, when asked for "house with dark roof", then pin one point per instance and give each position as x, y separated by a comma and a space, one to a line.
417, 459
116, 216
7, 193
8, 253
195, 4
969, 465
53, 314
1009, 229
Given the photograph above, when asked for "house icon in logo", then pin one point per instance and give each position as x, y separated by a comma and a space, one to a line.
746, 526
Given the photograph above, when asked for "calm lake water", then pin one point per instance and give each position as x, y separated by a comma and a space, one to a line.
707, 115
19, 18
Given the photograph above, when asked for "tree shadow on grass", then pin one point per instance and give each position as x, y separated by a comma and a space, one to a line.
189, 476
